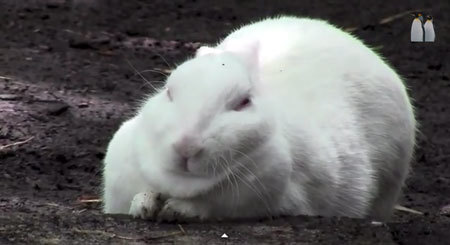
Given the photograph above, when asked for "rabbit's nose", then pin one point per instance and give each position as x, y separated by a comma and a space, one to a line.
187, 146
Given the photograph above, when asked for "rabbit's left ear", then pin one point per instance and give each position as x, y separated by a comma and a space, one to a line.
204, 50
248, 51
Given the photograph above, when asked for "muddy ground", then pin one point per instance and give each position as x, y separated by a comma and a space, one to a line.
66, 84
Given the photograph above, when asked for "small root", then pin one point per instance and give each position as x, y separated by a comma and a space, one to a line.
90, 201
16, 143
181, 229
394, 17
388, 19
103, 233
175, 233
408, 210
5, 78
165, 71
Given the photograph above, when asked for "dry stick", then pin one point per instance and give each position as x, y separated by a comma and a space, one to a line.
162, 57
90, 200
103, 233
15, 143
182, 229
80, 211
175, 233
398, 16
52, 204
143, 78
389, 19
112, 235
409, 210
350, 29
166, 71
6, 78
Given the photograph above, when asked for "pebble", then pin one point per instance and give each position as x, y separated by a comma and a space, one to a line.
9, 97
445, 210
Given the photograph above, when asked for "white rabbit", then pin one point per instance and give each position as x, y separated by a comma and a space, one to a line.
285, 116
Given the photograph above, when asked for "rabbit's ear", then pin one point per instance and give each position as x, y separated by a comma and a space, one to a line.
250, 55
204, 50
248, 51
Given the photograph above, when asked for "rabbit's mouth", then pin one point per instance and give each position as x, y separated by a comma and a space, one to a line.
212, 167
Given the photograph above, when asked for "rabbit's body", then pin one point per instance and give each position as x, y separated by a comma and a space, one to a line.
333, 130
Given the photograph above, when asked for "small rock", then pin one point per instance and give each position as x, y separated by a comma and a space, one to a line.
9, 97
61, 158
57, 109
36, 186
435, 67
83, 105
376, 223
38, 117
445, 210
54, 3
132, 32
100, 155
80, 44
33, 183
45, 47
101, 40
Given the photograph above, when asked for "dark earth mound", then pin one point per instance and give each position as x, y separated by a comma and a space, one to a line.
66, 84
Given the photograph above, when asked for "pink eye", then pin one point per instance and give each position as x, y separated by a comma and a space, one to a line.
169, 94
243, 104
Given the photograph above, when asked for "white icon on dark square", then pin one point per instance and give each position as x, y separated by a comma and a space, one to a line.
422, 31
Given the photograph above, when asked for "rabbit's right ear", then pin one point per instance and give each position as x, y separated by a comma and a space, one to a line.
204, 50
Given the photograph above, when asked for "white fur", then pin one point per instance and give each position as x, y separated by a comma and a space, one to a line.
330, 130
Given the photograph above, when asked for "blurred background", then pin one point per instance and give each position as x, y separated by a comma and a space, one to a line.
72, 71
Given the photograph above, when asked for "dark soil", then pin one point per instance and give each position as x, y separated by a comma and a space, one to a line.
66, 84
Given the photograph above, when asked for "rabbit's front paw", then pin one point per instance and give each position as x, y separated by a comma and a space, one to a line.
176, 210
145, 205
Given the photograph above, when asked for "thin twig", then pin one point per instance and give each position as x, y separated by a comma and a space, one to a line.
103, 233
409, 210
162, 57
166, 71
6, 78
175, 233
143, 78
350, 29
90, 200
127, 238
80, 211
106, 52
16, 143
182, 229
398, 16
389, 19
52, 204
